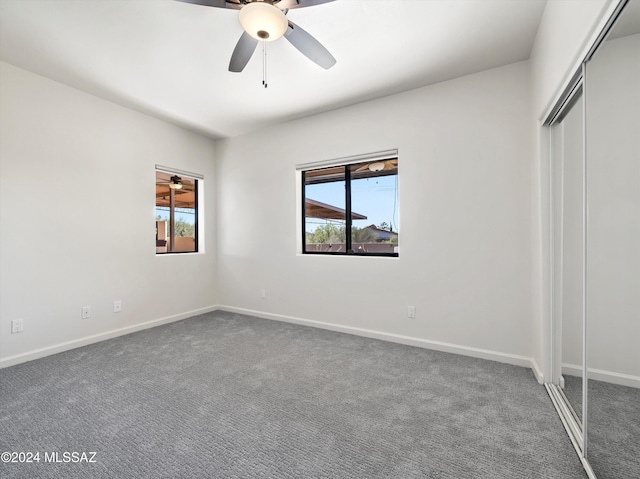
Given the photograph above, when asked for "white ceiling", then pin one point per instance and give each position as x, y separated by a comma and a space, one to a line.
170, 59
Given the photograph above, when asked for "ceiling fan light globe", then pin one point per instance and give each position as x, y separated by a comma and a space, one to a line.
263, 21
377, 166
175, 183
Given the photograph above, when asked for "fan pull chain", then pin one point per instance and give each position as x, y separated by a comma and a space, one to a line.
264, 63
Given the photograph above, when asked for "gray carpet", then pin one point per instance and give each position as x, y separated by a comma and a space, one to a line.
229, 396
614, 427
573, 392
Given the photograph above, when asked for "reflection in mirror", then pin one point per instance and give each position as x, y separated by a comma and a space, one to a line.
568, 252
613, 251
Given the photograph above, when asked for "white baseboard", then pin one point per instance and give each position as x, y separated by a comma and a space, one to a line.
602, 375
76, 343
506, 358
537, 372
572, 370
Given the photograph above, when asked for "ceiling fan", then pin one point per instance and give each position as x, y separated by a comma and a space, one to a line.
265, 20
379, 166
175, 183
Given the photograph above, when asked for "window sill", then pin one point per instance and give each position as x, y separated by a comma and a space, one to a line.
351, 255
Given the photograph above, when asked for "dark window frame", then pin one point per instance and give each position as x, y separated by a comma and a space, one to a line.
196, 180
348, 220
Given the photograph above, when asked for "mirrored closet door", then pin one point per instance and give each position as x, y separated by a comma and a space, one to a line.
595, 247
612, 94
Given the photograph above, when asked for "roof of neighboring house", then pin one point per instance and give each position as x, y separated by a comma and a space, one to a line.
382, 234
316, 209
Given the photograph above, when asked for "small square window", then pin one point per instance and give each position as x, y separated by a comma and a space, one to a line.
351, 209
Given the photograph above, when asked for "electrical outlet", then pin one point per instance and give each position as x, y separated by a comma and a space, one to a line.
16, 326
117, 306
263, 293
86, 312
411, 312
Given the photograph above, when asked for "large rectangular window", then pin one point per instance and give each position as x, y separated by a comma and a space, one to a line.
176, 213
351, 209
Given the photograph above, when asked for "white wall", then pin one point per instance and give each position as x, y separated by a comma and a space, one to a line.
465, 217
566, 29
613, 159
77, 218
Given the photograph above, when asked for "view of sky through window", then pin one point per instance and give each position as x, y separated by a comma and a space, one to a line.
375, 198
